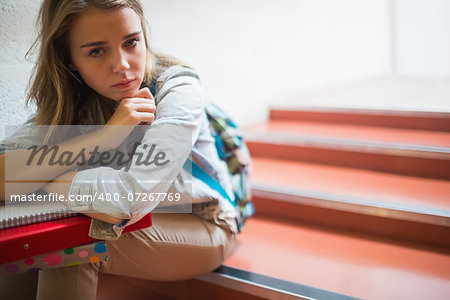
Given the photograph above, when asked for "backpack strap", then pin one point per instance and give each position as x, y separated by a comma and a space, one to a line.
201, 174
153, 88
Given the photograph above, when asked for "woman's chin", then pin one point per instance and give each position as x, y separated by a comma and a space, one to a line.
118, 98
126, 94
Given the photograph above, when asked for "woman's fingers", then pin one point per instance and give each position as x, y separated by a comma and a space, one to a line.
144, 117
130, 111
144, 93
133, 111
139, 105
145, 108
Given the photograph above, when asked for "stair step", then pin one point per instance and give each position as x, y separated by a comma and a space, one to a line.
370, 117
411, 137
120, 287
402, 151
384, 204
223, 283
352, 265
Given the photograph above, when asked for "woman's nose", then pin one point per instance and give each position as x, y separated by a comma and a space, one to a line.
120, 64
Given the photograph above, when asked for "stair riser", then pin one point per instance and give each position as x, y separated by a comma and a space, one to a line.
383, 227
427, 167
116, 287
406, 120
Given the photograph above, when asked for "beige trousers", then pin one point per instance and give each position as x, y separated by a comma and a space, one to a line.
175, 247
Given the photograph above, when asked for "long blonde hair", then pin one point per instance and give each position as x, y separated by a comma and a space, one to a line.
61, 96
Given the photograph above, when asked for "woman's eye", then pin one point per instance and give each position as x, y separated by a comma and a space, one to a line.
131, 42
96, 52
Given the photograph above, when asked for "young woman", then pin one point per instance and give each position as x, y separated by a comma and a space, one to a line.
96, 67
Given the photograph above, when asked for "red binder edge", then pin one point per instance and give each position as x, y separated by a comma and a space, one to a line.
35, 239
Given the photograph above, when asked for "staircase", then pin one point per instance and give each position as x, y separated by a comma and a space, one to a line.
350, 202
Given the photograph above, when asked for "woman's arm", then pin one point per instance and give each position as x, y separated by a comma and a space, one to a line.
158, 159
61, 186
28, 170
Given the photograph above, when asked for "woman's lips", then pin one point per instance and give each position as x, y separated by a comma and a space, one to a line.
124, 84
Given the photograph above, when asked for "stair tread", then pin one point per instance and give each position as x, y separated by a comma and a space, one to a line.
354, 132
348, 264
420, 193
413, 119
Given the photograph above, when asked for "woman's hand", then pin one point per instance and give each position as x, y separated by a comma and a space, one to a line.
130, 112
134, 111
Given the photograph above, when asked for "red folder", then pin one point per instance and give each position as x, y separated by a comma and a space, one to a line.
35, 239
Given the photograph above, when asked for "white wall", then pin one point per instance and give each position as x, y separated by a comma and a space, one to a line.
251, 53
422, 29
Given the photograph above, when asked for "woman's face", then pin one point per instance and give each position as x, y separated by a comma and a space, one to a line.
107, 48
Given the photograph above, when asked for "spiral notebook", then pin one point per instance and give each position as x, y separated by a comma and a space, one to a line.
24, 213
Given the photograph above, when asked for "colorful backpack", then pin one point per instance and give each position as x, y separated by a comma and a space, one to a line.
233, 150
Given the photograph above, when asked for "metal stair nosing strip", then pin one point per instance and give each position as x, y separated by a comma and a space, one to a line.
415, 160
266, 287
414, 213
352, 145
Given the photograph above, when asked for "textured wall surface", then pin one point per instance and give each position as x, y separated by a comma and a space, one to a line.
17, 24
